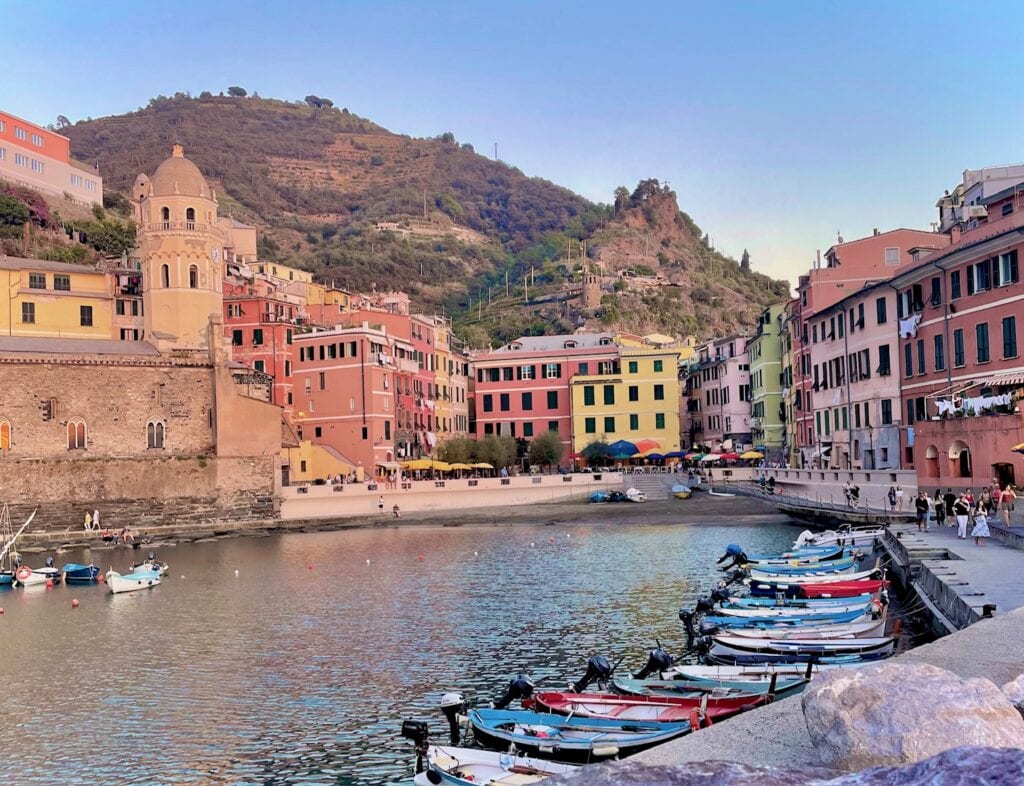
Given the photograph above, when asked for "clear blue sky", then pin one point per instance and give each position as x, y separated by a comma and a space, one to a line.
776, 123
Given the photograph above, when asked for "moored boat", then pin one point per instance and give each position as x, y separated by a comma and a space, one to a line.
845, 535
806, 648
130, 582
80, 574
680, 491
664, 708
794, 620
696, 690
635, 495
476, 767
829, 589
599, 496
153, 564
811, 604
26, 576
852, 630
756, 673
575, 738
827, 567
813, 577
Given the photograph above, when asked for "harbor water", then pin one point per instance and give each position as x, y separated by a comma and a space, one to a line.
301, 667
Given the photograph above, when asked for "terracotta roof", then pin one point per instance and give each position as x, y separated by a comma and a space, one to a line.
75, 346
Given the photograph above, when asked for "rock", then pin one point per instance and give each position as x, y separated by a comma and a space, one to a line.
1014, 691
956, 767
896, 713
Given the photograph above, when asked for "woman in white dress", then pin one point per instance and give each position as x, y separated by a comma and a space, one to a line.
980, 527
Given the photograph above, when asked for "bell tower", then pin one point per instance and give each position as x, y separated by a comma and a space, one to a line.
180, 245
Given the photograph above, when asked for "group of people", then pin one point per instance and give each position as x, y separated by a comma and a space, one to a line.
92, 524
963, 508
851, 491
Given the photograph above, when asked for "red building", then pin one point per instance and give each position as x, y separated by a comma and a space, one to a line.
960, 363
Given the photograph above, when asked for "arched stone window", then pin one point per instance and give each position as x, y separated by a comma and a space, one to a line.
193, 277
76, 434
165, 214
154, 434
190, 218
5, 434
165, 276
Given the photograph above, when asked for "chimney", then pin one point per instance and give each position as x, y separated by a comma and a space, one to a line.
954, 235
875, 232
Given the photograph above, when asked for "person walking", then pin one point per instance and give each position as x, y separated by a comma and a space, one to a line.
921, 508
96, 518
899, 499
88, 521
1006, 498
891, 494
961, 510
940, 508
380, 504
980, 527
930, 513
948, 499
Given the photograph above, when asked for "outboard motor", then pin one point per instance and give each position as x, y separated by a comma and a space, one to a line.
735, 577
451, 705
598, 668
720, 595
151, 556
49, 562
520, 688
708, 629
703, 645
657, 661
418, 732
687, 617
704, 605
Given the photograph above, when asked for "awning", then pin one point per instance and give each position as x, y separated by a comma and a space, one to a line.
823, 452
1002, 380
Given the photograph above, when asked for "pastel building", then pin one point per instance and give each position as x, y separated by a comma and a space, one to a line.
848, 266
960, 312
40, 159
718, 385
767, 411
55, 299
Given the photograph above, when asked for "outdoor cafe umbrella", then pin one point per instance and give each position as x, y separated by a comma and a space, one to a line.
655, 457
752, 454
441, 466
483, 465
710, 457
459, 465
730, 456
622, 449
417, 464
676, 454
646, 445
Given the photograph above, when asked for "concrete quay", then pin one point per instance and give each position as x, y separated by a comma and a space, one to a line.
776, 735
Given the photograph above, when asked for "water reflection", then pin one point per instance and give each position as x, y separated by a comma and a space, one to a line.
301, 668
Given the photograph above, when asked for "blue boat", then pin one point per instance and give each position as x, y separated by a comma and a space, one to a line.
6, 578
80, 574
599, 496
569, 737
788, 621
827, 566
812, 605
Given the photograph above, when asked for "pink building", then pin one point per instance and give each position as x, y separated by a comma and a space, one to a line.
960, 311
848, 267
718, 386
522, 388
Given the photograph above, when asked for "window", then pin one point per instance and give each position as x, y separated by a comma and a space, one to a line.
552, 399
908, 360
588, 395
154, 434
190, 218
880, 311
76, 434
609, 425
981, 332
322, 381
488, 402
503, 402
954, 285
287, 368
920, 356
658, 366
85, 315
958, 348
1010, 337
527, 429
19, 132
37, 140
659, 392
28, 313
940, 354
979, 277
553, 426
552, 370
527, 401
62, 283
165, 276
236, 338
633, 367
892, 256
659, 420
257, 339
634, 422
590, 425
584, 368
525, 372
1004, 269
37, 281
634, 392
5, 435
609, 394
193, 277
886, 411
38, 166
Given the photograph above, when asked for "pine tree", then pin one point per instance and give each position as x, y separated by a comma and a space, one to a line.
745, 261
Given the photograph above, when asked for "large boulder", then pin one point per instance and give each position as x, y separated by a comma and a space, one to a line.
958, 767
896, 713
1014, 691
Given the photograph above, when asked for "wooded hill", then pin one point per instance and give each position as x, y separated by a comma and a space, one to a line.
360, 206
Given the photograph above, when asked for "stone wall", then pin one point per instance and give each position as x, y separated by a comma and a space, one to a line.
138, 492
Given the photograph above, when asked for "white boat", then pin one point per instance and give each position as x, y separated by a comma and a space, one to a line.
714, 493
809, 578
477, 767
847, 630
846, 536
801, 612
151, 564
8, 564
29, 577
881, 646
635, 495
130, 582
753, 673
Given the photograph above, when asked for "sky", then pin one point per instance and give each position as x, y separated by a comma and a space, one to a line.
778, 124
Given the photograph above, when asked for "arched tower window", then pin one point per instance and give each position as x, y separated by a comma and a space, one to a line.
165, 276
165, 214
193, 277
5, 434
154, 434
76, 434
190, 218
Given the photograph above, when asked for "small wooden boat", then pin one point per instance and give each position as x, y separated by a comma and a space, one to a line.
25, 576
766, 621
130, 582
599, 496
800, 612
80, 574
801, 553
561, 737
478, 767
635, 495
757, 576
695, 690
665, 708
806, 648
811, 604
153, 564
852, 630
829, 590
680, 491
754, 674
845, 535
841, 565
798, 558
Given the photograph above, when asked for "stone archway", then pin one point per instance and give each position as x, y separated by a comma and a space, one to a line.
960, 459
931, 462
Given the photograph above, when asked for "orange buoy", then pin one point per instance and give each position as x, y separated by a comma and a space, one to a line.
309, 566
101, 578
23, 573
49, 584
74, 603
421, 558
1, 609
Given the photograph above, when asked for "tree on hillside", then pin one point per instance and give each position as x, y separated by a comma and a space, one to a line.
621, 199
645, 189
745, 261
62, 122
318, 102
237, 92
546, 449
13, 212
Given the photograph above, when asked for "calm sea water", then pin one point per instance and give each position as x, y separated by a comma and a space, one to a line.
301, 668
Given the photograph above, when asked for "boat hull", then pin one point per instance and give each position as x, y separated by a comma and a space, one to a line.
131, 582
855, 630
806, 647
830, 590
80, 574
665, 708
759, 576
741, 694
475, 766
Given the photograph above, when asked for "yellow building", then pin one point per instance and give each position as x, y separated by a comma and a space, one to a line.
638, 401
55, 300
283, 272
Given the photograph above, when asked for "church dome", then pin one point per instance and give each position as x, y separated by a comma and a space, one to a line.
178, 176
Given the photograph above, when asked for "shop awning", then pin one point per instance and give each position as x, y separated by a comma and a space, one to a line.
1015, 378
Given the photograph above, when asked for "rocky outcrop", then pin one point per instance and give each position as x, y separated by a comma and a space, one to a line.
895, 713
957, 767
1014, 691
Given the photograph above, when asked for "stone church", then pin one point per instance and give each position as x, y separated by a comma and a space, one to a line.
158, 430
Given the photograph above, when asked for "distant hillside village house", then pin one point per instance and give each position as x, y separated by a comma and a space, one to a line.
40, 159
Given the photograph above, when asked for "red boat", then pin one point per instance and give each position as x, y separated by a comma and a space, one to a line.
842, 589
642, 708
